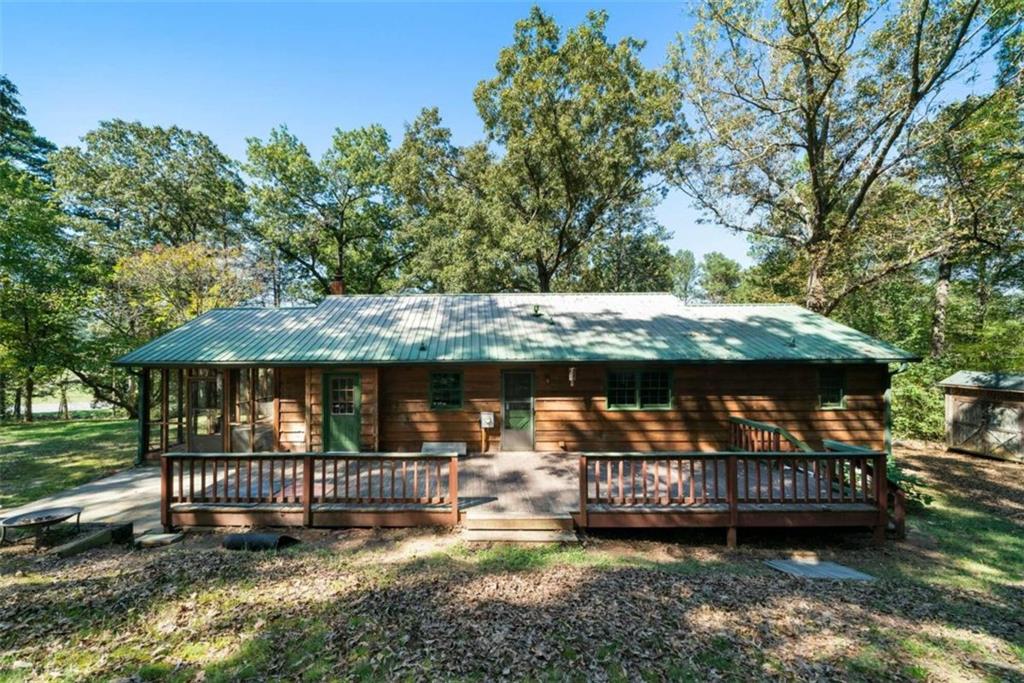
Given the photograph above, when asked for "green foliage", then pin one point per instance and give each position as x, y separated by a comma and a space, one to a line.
806, 116
20, 145
917, 402
582, 127
335, 217
912, 485
685, 275
719, 277
133, 186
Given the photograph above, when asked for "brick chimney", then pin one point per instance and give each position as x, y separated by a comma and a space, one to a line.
337, 285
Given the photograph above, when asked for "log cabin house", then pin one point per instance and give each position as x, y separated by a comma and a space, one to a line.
364, 402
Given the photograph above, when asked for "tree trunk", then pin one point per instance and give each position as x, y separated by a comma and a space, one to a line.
62, 409
110, 393
3, 397
982, 293
30, 385
543, 278
17, 403
816, 299
945, 274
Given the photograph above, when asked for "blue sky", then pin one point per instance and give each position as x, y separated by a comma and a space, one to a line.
235, 70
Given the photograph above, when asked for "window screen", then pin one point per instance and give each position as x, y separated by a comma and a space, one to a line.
647, 389
445, 390
621, 389
655, 390
832, 388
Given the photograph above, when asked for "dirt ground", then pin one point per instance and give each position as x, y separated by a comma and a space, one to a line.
948, 603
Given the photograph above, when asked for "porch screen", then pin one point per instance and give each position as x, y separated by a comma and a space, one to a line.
206, 412
252, 416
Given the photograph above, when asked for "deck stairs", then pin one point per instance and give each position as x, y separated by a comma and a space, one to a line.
518, 527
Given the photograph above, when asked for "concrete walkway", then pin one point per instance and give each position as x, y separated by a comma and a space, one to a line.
129, 496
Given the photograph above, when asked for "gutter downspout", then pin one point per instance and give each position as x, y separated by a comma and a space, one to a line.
887, 397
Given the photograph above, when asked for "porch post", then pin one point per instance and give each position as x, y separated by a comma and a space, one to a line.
166, 482
143, 408
583, 490
881, 497
732, 493
307, 490
453, 487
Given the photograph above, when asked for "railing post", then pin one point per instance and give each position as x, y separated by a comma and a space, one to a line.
307, 490
583, 490
732, 493
453, 488
166, 482
881, 497
899, 513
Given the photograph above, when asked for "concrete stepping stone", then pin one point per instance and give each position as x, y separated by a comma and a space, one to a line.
810, 568
157, 540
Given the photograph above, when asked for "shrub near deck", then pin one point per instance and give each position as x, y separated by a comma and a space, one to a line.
416, 604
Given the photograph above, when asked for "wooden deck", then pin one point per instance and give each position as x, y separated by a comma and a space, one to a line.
527, 484
767, 479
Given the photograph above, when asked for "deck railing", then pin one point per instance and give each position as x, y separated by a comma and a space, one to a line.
754, 436
312, 483
740, 488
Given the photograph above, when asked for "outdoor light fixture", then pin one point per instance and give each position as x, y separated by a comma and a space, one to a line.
572, 376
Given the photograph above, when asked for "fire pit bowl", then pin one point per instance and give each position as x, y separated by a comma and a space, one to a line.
40, 520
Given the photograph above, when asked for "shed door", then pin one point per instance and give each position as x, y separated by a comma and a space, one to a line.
342, 402
989, 427
517, 411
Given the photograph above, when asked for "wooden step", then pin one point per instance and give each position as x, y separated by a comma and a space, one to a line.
518, 536
517, 521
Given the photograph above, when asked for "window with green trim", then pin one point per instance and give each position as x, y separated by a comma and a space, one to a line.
445, 390
639, 389
832, 388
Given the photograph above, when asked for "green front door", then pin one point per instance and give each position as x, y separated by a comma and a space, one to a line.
341, 412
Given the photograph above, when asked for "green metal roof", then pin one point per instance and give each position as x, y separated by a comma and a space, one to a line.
411, 328
998, 381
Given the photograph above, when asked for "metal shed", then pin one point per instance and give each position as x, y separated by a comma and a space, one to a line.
985, 413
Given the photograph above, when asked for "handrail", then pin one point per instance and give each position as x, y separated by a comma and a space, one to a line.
332, 455
667, 482
841, 446
722, 455
773, 429
895, 493
311, 479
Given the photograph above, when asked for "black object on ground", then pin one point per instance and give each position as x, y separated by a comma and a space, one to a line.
258, 541
40, 520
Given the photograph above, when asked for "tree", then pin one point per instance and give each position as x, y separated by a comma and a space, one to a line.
329, 219
146, 295
37, 267
685, 276
632, 257
583, 127
803, 111
134, 186
974, 178
720, 277
20, 145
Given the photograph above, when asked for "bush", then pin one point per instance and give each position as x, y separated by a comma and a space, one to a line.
918, 408
910, 484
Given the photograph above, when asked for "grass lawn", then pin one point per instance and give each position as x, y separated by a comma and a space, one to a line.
44, 457
421, 605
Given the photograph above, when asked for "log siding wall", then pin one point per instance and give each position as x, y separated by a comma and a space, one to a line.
396, 414
576, 418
